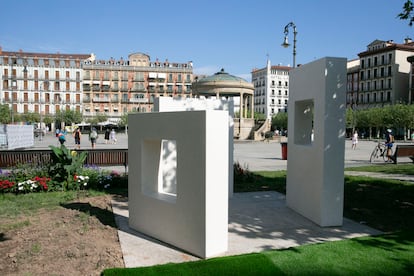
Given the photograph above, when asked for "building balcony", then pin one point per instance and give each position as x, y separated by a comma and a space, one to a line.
100, 100
138, 89
140, 100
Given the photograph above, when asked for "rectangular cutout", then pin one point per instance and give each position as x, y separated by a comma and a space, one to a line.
159, 169
304, 122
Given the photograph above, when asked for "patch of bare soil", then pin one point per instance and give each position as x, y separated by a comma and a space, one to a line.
79, 238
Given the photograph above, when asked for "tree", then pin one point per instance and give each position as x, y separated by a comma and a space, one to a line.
30, 117
280, 121
376, 118
408, 12
350, 119
4, 114
99, 118
123, 121
68, 117
399, 117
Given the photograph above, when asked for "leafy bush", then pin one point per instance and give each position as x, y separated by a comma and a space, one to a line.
65, 164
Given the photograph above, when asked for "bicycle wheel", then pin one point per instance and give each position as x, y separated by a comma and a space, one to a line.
374, 154
384, 154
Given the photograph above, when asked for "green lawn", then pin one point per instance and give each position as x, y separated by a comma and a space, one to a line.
407, 169
391, 254
387, 205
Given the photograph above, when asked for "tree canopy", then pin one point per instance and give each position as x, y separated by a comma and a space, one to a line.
407, 12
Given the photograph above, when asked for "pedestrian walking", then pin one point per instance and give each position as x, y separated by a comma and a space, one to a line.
113, 136
77, 135
61, 137
93, 136
107, 133
354, 140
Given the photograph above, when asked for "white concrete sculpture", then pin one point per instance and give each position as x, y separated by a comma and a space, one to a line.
177, 184
165, 104
315, 169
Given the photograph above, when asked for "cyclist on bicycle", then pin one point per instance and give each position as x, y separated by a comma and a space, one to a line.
389, 142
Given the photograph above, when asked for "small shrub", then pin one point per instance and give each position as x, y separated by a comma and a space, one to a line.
65, 164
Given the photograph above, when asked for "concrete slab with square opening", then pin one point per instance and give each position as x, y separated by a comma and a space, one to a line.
178, 179
315, 169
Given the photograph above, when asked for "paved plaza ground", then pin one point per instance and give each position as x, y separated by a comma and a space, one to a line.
256, 156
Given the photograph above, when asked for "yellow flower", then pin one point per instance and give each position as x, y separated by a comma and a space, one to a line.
73, 153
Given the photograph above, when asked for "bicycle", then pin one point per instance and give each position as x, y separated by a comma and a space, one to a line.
379, 151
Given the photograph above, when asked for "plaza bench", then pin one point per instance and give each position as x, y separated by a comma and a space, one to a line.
403, 150
95, 157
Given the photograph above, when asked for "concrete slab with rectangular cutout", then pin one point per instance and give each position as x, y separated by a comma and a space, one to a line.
168, 104
178, 175
316, 148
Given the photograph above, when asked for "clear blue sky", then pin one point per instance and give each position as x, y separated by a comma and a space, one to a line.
235, 35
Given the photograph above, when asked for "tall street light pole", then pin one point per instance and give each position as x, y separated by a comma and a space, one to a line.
13, 84
42, 88
286, 43
40, 112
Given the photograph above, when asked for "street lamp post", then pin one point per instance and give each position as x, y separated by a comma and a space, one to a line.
40, 112
12, 85
42, 87
286, 43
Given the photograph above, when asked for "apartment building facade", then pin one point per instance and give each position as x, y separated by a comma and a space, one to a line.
384, 73
45, 83
41, 83
115, 87
352, 83
271, 89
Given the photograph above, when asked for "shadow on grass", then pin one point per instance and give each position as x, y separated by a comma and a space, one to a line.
387, 205
245, 181
106, 217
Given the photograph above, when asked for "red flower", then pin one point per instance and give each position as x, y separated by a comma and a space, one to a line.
6, 184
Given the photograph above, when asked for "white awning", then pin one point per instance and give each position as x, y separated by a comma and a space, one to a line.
152, 75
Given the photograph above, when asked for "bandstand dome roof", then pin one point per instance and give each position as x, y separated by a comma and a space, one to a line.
223, 84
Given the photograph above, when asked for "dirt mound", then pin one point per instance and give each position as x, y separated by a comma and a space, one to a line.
78, 238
